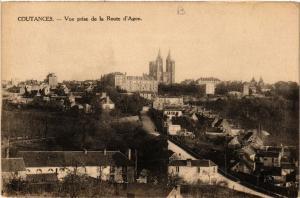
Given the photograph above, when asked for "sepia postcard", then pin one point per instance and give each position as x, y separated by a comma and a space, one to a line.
150, 99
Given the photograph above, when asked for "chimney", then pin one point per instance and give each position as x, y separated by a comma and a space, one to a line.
105, 151
189, 162
129, 154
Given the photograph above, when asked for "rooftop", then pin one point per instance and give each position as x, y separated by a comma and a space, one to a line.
74, 158
268, 154
201, 163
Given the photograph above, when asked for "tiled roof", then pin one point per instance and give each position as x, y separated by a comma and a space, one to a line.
201, 163
12, 164
268, 154
74, 158
208, 79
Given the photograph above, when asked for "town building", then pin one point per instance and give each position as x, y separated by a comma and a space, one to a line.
210, 84
173, 129
51, 79
222, 124
107, 165
186, 133
149, 95
161, 102
136, 83
106, 102
246, 89
172, 112
157, 72
194, 171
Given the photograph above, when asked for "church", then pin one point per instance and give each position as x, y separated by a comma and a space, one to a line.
156, 70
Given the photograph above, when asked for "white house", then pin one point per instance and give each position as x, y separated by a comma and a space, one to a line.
173, 129
186, 133
107, 165
194, 171
107, 103
170, 113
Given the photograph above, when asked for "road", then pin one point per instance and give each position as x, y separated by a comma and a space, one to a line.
148, 125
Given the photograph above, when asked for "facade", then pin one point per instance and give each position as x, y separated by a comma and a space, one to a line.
210, 84
186, 133
107, 103
210, 88
147, 95
107, 165
51, 79
246, 89
170, 113
162, 102
136, 83
194, 171
157, 72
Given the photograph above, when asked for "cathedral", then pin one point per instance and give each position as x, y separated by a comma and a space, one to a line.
156, 70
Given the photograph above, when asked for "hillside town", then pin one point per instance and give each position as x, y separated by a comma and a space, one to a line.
150, 136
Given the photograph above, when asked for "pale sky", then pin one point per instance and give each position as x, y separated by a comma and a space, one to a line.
230, 41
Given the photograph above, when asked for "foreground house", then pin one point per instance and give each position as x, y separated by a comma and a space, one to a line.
111, 166
194, 171
12, 168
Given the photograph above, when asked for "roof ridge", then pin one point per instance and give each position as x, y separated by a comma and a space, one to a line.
67, 151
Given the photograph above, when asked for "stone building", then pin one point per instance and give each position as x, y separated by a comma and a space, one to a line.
194, 171
51, 79
136, 83
210, 84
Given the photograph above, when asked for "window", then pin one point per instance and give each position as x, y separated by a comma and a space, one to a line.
177, 169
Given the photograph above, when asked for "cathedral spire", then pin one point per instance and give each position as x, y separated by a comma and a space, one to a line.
169, 55
159, 56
